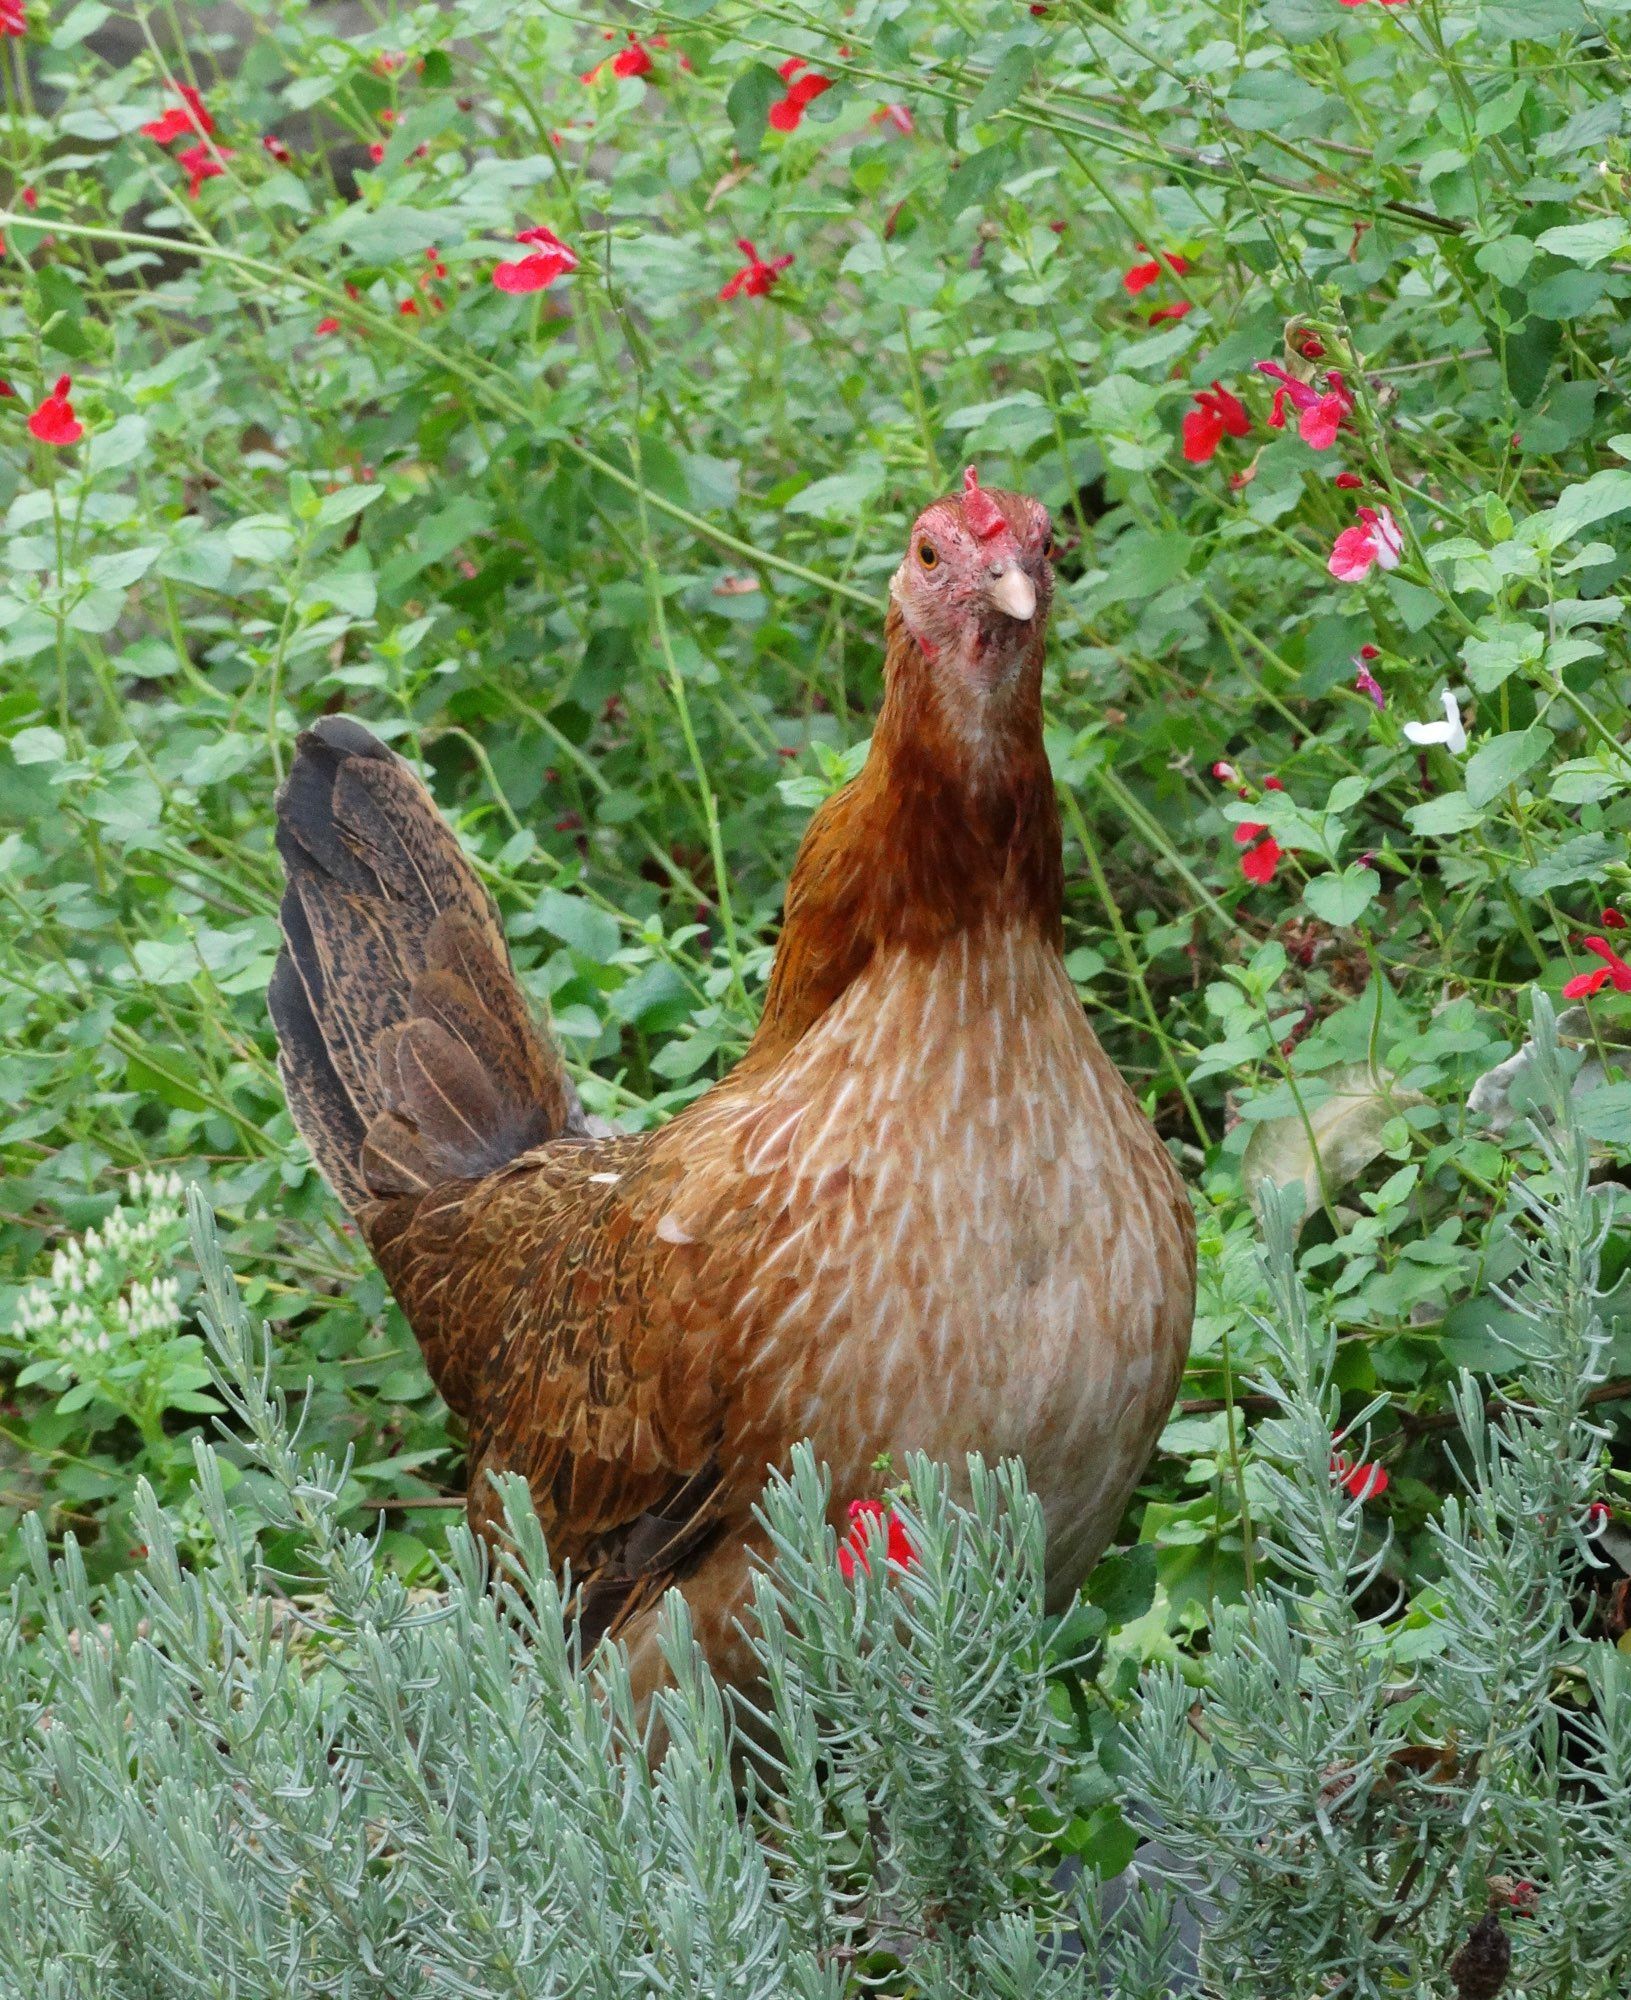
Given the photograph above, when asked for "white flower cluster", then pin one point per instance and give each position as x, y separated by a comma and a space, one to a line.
103, 1290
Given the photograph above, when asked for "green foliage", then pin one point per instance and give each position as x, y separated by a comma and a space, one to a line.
609, 558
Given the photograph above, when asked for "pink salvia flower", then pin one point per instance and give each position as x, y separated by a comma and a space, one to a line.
1300, 396
1319, 423
1376, 543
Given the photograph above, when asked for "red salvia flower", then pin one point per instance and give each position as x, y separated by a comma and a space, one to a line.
866, 1518
6, 390
1612, 920
1175, 311
376, 151
1348, 482
802, 92
1612, 972
1362, 1481
547, 259
1140, 276
276, 148
1220, 415
11, 18
1262, 857
329, 324
180, 119
54, 421
200, 164
756, 276
635, 60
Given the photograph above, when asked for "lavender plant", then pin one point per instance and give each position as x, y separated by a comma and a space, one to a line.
1370, 1789
282, 1769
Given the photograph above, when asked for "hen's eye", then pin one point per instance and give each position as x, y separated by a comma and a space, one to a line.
927, 554
1047, 548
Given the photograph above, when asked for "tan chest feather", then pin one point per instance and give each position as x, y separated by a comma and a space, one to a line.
970, 1236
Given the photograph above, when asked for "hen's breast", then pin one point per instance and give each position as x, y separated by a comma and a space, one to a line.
968, 1238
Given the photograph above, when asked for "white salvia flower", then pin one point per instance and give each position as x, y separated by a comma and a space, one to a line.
1449, 732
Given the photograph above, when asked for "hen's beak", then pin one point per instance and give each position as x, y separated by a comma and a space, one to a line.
1012, 591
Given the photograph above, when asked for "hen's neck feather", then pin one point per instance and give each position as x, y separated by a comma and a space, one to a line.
947, 828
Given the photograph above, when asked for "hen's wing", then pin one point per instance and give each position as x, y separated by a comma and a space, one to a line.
594, 1353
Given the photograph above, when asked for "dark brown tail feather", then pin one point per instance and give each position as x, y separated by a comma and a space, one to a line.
406, 1047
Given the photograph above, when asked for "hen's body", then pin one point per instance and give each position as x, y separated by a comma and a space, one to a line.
923, 1213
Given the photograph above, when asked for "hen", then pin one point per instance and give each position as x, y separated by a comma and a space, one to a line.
924, 1211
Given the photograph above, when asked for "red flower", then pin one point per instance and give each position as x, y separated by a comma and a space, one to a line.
408, 308
376, 151
802, 92
635, 60
865, 1518
1220, 415
200, 164
328, 325
1311, 347
1175, 311
6, 390
756, 276
1262, 857
1613, 920
1348, 482
180, 119
54, 421
543, 264
11, 18
1225, 773
1597, 1519
1362, 1481
1142, 275
1612, 972
275, 146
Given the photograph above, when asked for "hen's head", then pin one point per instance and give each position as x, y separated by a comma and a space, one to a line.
975, 587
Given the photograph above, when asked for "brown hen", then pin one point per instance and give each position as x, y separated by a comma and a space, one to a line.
923, 1212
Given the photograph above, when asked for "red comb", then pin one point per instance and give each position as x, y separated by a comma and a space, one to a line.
980, 511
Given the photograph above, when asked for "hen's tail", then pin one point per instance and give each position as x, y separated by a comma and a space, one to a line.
407, 1050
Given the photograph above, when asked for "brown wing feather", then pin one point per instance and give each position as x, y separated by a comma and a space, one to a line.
558, 1321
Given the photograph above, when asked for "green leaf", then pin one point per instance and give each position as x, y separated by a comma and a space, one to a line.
971, 182
41, 745
577, 922
1004, 85
1582, 859
1342, 899
747, 106
1451, 812
345, 501
1500, 649
1503, 760
840, 496
1142, 563
1123, 1584
260, 537
1505, 258
1578, 508
1588, 243
1605, 1115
